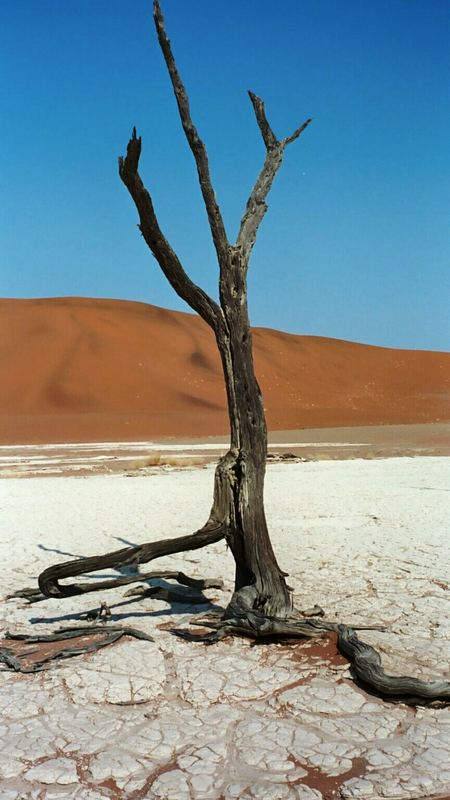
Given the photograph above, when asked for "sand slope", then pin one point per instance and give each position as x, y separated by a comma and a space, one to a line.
77, 369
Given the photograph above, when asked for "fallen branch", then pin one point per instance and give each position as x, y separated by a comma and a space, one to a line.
103, 636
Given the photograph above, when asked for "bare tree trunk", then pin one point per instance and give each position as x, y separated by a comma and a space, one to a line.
239, 482
259, 582
237, 513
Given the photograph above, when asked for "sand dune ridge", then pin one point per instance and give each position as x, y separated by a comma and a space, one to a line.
138, 370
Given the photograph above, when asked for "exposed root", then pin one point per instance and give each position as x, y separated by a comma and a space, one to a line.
71, 632
258, 626
364, 659
241, 618
36, 596
48, 580
366, 667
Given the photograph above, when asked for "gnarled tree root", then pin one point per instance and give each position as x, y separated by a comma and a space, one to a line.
238, 620
49, 579
366, 667
365, 661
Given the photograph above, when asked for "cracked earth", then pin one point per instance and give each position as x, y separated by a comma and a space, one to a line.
173, 720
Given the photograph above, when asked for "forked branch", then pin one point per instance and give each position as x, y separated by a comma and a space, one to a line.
195, 143
167, 259
256, 204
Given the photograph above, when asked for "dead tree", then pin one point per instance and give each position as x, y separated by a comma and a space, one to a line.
238, 506
261, 605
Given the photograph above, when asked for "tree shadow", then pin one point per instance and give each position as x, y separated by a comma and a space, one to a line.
187, 601
59, 552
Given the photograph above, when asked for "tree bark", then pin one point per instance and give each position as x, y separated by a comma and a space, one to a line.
259, 582
238, 505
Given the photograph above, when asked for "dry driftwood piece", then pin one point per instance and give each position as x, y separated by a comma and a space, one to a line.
23, 653
261, 604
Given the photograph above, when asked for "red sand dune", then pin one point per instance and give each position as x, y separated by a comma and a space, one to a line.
80, 369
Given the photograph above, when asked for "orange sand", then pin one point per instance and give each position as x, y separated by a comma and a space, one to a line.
80, 369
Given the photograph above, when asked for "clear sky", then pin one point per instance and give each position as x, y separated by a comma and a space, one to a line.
356, 241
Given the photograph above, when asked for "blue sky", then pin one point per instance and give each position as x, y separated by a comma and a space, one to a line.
355, 244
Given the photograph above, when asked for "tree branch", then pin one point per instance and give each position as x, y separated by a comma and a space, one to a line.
297, 133
158, 244
195, 143
140, 554
270, 140
256, 205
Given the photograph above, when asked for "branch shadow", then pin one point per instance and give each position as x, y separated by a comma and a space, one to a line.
187, 601
58, 552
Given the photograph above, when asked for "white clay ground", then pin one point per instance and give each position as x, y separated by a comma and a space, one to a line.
367, 540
